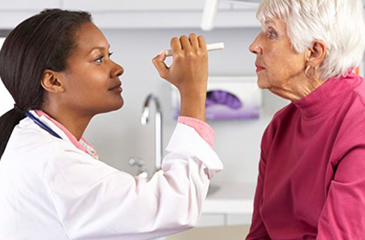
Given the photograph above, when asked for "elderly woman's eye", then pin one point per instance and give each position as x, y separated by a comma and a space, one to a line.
271, 35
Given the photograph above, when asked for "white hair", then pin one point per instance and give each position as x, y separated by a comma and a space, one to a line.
339, 23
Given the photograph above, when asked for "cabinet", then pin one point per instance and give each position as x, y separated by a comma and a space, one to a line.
33, 5
135, 14
216, 220
138, 5
15, 11
229, 204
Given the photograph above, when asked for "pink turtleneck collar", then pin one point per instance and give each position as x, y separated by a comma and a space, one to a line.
328, 96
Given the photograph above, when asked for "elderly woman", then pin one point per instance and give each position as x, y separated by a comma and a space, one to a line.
311, 182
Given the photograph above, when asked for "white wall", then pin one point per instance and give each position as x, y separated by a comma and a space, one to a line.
119, 135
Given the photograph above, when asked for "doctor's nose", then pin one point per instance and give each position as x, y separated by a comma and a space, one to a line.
117, 70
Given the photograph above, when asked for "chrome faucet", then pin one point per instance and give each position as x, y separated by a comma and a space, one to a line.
142, 171
158, 127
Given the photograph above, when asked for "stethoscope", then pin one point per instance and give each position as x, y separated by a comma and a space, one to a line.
37, 121
42, 125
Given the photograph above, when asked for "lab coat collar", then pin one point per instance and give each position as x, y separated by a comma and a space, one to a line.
82, 145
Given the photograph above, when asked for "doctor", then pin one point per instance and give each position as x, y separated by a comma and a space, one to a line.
58, 69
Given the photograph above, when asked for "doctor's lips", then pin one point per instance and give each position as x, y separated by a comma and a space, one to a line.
259, 68
117, 87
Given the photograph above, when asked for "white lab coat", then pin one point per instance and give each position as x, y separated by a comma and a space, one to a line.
51, 190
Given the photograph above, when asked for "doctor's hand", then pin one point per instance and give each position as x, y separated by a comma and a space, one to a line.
188, 72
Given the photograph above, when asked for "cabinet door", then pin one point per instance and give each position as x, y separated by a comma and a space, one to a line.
241, 5
136, 5
211, 220
14, 5
238, 219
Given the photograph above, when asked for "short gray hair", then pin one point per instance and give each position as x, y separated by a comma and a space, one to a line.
339, 23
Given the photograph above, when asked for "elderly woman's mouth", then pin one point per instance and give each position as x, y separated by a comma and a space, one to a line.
259, 68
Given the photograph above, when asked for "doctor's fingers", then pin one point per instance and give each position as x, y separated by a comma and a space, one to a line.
159, 63
185, 44
198, 43
188, 46
176, 46
194, 40
202, 44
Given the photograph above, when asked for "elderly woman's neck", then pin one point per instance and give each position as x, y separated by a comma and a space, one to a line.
297, 89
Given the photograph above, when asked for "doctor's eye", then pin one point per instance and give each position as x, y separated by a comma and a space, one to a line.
99, 59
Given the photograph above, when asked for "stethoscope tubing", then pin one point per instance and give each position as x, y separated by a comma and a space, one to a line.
42, 125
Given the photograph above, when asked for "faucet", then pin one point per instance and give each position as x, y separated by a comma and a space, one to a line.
158, 127
142, 171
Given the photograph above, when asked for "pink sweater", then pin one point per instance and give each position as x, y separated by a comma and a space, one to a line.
311, 182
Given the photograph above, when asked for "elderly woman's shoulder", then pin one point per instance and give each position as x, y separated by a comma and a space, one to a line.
284, 113
281, 118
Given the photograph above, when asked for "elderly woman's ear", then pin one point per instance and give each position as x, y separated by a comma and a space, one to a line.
316, 53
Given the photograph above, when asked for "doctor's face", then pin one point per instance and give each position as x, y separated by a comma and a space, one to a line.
277, 63
91, 81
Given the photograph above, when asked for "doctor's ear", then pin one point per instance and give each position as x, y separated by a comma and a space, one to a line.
51, 83
316, 52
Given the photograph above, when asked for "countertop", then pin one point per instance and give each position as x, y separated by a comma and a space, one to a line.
230, 198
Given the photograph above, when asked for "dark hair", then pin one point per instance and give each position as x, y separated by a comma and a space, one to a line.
41, 42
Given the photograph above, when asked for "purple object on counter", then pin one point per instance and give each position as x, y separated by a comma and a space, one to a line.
224, 98
222, 105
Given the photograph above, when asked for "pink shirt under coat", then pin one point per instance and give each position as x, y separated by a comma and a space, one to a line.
311, 182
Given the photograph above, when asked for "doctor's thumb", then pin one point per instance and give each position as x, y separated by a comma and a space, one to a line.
160, 65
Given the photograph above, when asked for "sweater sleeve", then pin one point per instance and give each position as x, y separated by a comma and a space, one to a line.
258, 229
343, 215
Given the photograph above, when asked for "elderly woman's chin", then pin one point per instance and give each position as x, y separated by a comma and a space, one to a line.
263, 82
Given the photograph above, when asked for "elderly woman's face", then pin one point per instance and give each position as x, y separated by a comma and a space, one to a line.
277, 63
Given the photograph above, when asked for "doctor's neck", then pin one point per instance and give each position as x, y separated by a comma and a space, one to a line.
72, 120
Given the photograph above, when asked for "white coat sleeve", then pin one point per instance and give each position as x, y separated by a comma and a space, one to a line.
95, 201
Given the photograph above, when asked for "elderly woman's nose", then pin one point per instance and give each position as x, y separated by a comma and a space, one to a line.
255, 47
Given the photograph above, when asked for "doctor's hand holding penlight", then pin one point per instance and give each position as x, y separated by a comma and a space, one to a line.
188, 72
